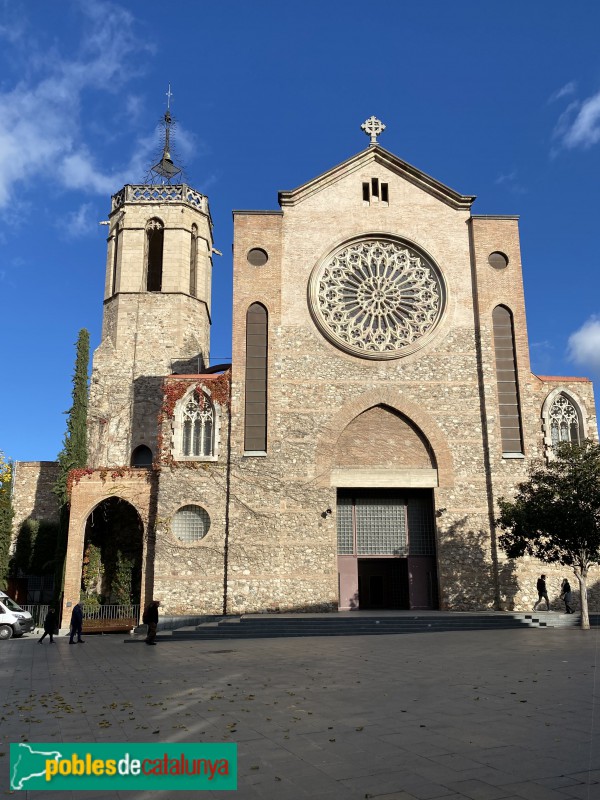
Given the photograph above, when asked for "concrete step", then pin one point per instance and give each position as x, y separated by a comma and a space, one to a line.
260, 626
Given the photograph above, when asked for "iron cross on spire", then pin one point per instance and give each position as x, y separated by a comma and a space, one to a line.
169, 96
373, 127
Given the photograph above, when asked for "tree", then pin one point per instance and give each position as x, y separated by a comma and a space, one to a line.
6, 516
555, 515
74, 452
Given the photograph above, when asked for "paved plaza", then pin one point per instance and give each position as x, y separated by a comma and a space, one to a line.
488, 715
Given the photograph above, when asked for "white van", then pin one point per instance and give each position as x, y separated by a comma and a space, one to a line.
14, 621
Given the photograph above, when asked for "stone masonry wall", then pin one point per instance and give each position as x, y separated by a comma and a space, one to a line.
147, 335
311, 382
449, 386
32, 492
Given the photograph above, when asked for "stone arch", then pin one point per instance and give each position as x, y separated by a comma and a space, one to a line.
579, 407
114, 531
380, 437
420, 420
134, 487
141, 456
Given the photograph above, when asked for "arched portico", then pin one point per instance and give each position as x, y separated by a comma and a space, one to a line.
135, 489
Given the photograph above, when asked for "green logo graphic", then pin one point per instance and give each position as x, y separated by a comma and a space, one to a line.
122, 767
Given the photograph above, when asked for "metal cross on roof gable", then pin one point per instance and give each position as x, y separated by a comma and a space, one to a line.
373, 127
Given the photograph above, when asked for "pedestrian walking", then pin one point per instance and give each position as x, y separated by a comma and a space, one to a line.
542, 593
50, 622
567, 596
150, 619
76, 624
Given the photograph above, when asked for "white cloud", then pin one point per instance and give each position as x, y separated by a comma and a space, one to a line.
565, 91
510, 181
41, 132
79, 223
579, 124
584, 345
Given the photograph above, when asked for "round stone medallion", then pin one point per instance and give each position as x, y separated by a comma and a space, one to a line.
377, 297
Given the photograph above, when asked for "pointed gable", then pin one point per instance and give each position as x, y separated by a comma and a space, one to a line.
378, 155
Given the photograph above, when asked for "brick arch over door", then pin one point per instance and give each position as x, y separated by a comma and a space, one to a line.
418, 420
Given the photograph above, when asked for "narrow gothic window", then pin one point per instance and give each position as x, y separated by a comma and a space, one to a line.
155, 235
506, 377
564, 421
198, 426
115, 257
255, 424
194, 261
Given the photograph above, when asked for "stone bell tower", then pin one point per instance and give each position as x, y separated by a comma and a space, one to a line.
156, 310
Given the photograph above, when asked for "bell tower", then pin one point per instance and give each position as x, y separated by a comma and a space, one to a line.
156, 319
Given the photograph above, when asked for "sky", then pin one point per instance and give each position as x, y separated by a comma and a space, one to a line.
498, 99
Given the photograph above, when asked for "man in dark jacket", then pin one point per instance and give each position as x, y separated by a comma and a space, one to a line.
76, 623
542, 593
151, 620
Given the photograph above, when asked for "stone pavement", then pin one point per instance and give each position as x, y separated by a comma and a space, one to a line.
488, 715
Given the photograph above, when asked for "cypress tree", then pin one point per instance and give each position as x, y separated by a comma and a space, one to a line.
6, 517
74, 452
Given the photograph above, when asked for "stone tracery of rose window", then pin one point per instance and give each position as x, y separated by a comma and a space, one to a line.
564, 421
377, 298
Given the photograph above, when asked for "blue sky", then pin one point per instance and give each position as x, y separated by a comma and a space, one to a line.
498, 99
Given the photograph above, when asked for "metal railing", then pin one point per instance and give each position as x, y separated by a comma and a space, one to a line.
112, 612
97, 618
38, 612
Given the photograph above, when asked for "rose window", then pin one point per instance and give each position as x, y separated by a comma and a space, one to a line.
377, 298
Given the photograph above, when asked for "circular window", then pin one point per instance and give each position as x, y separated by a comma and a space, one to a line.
257, 257
498, 260
377, 297
191, 523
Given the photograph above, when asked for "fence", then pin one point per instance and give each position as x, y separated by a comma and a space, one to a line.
105, 619
102, 619
38, 612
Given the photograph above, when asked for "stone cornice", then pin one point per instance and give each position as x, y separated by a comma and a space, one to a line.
378, 155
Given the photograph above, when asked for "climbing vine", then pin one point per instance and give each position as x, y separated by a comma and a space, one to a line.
215, 390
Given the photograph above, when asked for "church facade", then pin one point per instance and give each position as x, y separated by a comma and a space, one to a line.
379, 402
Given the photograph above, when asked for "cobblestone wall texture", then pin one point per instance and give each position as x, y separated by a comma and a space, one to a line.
429, 419
32, 492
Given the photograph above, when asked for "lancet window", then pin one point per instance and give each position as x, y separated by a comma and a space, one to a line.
194, 261
507, 381
564, 421
155, 235
198, 426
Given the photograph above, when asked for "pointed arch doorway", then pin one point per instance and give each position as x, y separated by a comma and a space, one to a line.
385, 473
112, 555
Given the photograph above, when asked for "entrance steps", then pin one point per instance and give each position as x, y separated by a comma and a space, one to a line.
260, 626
